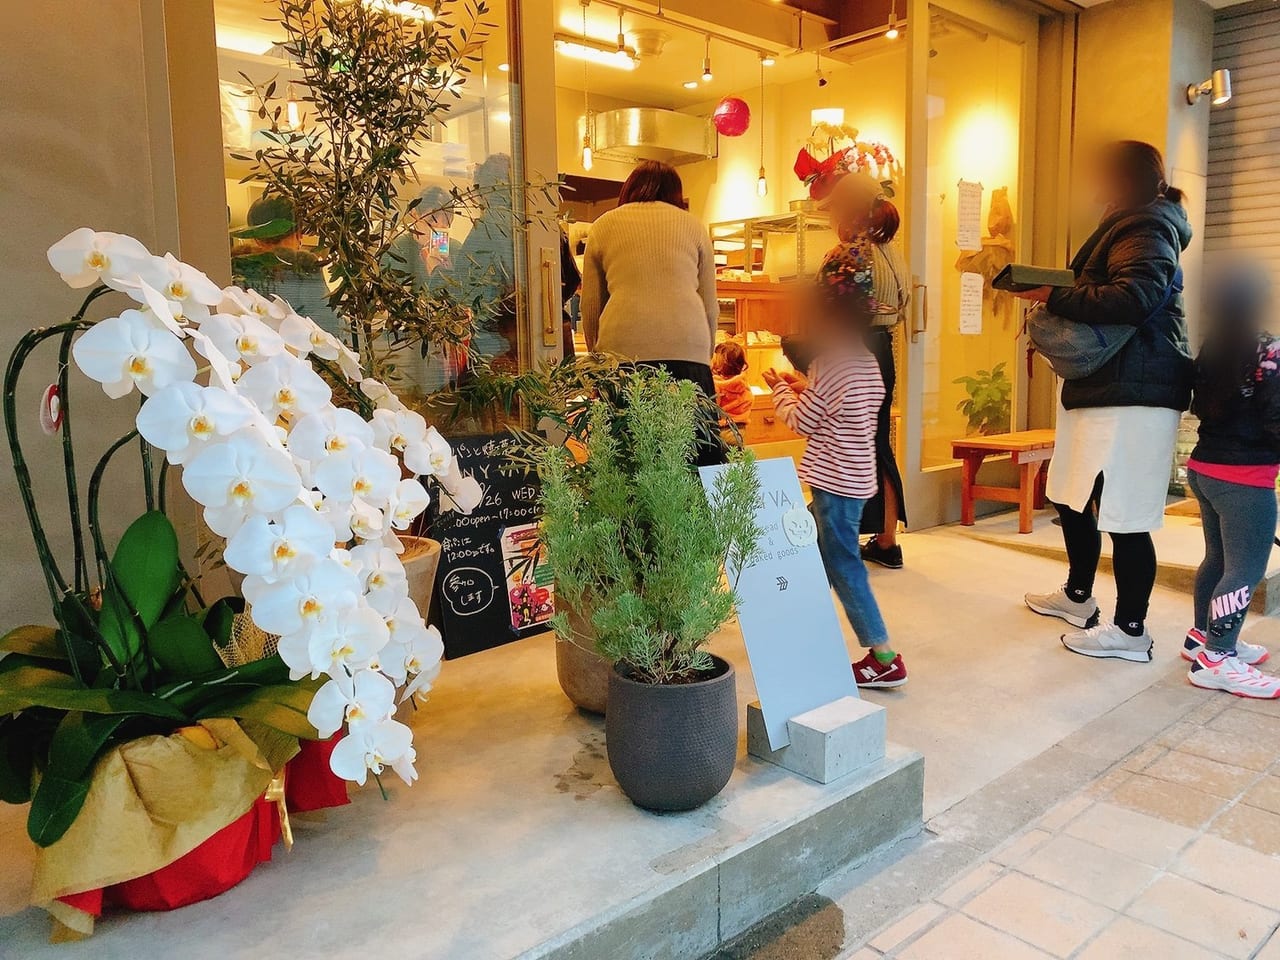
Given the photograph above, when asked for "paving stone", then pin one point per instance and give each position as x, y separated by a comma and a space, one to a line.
1211, 919
1132, 833
1045, 916
1264, 794
1139, 760
960, 938
908, 926
1232, 869
1065, 812
1105, 785
1259, 728
1017, 849
1127, 939
1271, 951
1210, 776
970, 883
1240, 752
1250, 827
1095, 873
1183, 805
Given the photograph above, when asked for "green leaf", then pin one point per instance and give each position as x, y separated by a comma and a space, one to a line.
117, 626
146, 565
55, 806
182, 648
26, 686
282, 707
79, 740
40, 642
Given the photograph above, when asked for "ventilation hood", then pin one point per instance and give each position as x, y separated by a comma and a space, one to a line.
631, 134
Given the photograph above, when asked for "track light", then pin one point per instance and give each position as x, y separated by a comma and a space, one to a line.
768, 60
707, 76
622, 37
892, 32
762, 184
1217, 86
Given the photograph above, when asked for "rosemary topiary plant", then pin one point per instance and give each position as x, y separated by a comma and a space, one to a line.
634, 541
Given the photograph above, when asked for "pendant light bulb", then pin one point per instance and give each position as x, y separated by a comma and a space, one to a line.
622, 37
707, 75
292, 109
762, 184
586, 153
892, 32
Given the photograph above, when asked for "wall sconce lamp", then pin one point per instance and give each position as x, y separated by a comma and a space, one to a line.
1218, 87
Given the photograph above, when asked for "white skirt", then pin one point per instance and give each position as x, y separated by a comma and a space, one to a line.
1132, 447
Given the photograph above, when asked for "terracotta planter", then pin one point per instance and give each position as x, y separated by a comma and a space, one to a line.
583, 673
672, 746
421, 559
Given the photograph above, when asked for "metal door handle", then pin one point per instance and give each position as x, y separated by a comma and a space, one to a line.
919, 315
550, 297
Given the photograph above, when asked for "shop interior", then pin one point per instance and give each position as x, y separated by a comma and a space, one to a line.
634, 81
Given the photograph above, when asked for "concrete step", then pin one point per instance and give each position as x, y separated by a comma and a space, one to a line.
1179, 549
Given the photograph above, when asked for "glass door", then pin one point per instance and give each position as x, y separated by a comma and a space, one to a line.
969, 143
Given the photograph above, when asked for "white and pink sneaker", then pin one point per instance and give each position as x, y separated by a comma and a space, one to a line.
1232, 675
1250, 653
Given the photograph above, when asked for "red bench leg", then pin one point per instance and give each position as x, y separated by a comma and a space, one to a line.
1041, 480
969, 464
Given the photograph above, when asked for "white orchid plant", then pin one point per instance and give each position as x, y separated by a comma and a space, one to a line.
308, 497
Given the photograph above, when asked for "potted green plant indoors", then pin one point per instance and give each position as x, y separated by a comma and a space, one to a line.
635, 542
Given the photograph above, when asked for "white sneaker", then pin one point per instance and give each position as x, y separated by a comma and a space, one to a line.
1233, 676
1058, 604
1106, 640
1250, 653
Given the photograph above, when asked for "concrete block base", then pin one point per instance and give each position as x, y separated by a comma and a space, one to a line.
827, 743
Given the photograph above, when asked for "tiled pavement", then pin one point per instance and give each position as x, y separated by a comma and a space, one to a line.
1173, 854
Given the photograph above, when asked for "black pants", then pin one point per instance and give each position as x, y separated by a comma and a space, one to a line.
711, 448
880, 343
1133, 556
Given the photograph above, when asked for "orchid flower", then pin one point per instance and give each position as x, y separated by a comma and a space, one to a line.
314, 592
413, 647
420, 684
129, 350
346, 642
222, 371
408, 502
365, 696
370, 475
84, 257
367, 523
245, 337
317, 435
382, 576
239, 477
373, 746
275, 550
240, 302
381, 395
183, 417
461, 492
285, 385
191, 290
303, 336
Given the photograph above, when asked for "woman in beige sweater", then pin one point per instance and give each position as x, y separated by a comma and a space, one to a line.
649, 279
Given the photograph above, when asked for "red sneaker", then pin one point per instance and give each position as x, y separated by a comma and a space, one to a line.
870, 672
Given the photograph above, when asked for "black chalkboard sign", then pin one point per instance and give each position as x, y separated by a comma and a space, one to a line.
494, 584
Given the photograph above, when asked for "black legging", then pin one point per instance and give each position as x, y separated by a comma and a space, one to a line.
1133, 557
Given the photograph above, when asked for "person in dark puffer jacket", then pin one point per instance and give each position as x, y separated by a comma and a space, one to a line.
1117, 427
1232, 472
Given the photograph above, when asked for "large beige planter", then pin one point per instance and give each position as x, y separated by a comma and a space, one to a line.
421, 559
583, 673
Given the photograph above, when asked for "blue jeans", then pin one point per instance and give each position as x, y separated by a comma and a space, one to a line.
1239, 526
838, 519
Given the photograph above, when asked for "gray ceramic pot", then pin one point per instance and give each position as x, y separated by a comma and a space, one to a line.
672, 747
583, 673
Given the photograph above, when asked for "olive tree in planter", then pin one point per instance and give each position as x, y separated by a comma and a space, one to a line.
633, 538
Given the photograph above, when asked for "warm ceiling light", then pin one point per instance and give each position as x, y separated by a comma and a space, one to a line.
403, 8
603, 54
504, 67
1217, 86
690, 84
829, 115
892, 32
707, 76
768, 60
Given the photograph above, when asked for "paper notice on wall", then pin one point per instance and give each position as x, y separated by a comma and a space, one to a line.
969, 216
971, 303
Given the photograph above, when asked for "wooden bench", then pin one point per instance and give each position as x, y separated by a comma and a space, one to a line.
1028, 449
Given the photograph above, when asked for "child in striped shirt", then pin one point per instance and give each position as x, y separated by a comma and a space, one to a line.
836, 408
